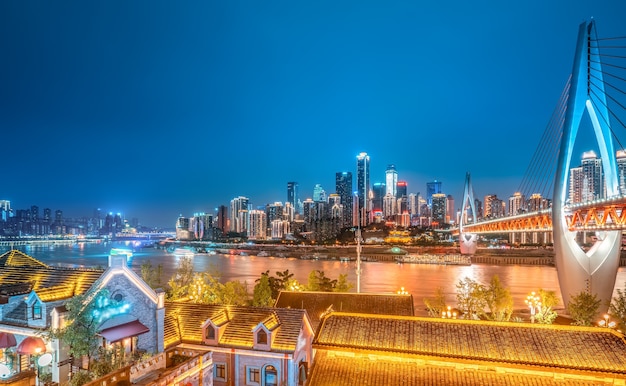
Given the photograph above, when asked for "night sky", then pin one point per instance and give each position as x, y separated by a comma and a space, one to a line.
156, 109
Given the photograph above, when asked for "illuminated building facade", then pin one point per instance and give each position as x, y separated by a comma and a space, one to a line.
432, 188
292, 195
401, 189
391, 180
363, 186
239, 214
621, 171
378, 195
517, 204
343, 187
439, 208
319, 194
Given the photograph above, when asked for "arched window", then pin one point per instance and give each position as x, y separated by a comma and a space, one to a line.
261, 337
270, 376
210, 332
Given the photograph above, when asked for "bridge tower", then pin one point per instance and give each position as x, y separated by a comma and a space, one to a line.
594, 270
468, 242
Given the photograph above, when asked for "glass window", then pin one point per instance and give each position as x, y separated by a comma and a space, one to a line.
261, 337
271, 376
220, 371
210, 332
254, 376
37, 310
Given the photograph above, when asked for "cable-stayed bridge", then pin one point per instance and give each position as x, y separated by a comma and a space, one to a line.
590, 198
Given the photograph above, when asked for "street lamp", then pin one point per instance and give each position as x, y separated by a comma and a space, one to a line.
534, 304
606, 323
402, 291
448, 314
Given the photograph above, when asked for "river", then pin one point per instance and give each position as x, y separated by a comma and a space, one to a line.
420, 280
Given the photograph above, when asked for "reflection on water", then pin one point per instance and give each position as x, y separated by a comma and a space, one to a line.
421, 280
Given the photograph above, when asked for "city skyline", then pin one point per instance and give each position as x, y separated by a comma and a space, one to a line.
156, 110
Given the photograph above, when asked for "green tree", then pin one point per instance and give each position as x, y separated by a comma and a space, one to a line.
436, 305
617, 308
262, 295
318, 281
152, 275
342, 284
583, 308
498, 300
470, 298
545, 313
235, 293
182, 280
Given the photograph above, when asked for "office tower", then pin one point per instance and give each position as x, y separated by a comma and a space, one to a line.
222, 219
239, 214
621, 171
292, 195
274, 212
258, 225
517, 204
343, 187
335, 206
363, 186
439, 208
308, 211
288, 212
432, 188
401, 189
391, 180
378, 193
450, 212
389, 206
319, 194
592, 171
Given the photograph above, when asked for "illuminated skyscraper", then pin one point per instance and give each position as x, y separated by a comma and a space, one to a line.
621, 171
258, 225
292, 195
592, 170
439, 208
517, 204
431, 189
401, 189
319, 194
378, 193
239, 214
391, 180
363, 186
343, 187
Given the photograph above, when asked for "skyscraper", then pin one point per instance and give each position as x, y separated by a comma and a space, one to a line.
343, 187
292, 195
378, 193
239, 214
517, 204
401, 189
592, 171
391, 180
621, 171
432, 188
363, 186
319, 194
439, 208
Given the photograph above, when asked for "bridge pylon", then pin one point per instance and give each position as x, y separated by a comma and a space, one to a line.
468, 242
595, 270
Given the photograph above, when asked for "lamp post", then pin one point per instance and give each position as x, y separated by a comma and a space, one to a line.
534, 304
448, 314
605, 322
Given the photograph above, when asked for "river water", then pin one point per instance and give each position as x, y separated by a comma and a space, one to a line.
421, 280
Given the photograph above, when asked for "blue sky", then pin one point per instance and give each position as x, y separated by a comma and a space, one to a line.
156, 109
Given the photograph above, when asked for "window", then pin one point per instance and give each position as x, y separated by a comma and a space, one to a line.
302, 372
271, 376
210, 332
37, 310
261, 337
118, 297
253, 376
220, 371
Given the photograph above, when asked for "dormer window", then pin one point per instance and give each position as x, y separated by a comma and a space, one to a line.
210, 332
261, 337
37, 310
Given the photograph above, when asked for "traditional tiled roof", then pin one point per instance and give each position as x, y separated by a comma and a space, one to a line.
15, 258
316, 303
184, 321
20, 274
561, 347
336, 368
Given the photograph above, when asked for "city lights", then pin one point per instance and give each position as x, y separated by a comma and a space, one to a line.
534, 304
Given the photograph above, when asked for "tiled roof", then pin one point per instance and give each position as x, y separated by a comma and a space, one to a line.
564, 347
15, 258
20, 273
330, 369
316, 303
183, 324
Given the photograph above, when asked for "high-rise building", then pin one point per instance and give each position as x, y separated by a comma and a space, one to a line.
391, 180
621, 171
343, 187
258, 225
308, 211
292, 195
439, 208
517, 204
536, 202
239, 214
363, 186
274, 212
389, 206
451, 216
401, 189
431, 189
494, 207
319, 194
378, 192
592, 170
576, 184
413, 204
222, 219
